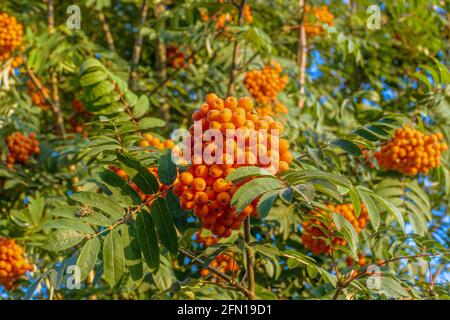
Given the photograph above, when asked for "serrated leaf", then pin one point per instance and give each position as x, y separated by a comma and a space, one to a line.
63, 239
146, 234
148, 123
164, 225
99, 201
372, 209
119, 186
266, 202
113, 257
132, 252
88, 256
253, 189
348, 146
141, 106
69, 224
246, 172
91, 78
167, 169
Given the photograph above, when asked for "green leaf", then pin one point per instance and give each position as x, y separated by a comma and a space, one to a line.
36, 208
167, 169
266, 202
63, 239
132, 252
99, 201
246, 172
91, 78
253, 189
144, 179
101, 89
372, 209
348, 146
118, 185
141, 106
69, 224
114, 259
355, 201
148, 241
88, 256
91, 65
164, 225
148, 123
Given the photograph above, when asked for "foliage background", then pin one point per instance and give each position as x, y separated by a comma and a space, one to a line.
354, 78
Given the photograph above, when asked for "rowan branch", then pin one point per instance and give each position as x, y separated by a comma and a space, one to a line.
302, 54
219, 273
250, 259
106, 30
137, 47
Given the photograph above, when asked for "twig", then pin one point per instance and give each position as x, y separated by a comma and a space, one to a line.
236, 47
106, 30
137, 47
161, 63
170, 76
250, 258
56, 110
57, 105
220, 274
50, 16
363, 272
302, 54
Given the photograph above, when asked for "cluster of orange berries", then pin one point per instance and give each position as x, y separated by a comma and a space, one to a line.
203, 187
77, 122
264, 85
205, 241
11, 38
315, 18
223, 262
150, 140
175, 58
410, 152
276, 109
313, 229
37, 97
21, 147
13, 264
222, 19
361, 260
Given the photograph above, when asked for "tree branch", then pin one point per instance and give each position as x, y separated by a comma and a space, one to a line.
250, 259
106, 30
302, 54
137, 47
220, 274
234, 62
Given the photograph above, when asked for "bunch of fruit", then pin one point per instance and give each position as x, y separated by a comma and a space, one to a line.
203, 187
315, 17
410, 152
205, 241
361, 260
174, 57
77, 122
314, 228
276, 109
38, 97
222, 19
11, 39
223, 262
152, 141
13, 264
264, 85
21, 147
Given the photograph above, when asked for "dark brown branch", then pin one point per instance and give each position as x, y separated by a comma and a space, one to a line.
137, 47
